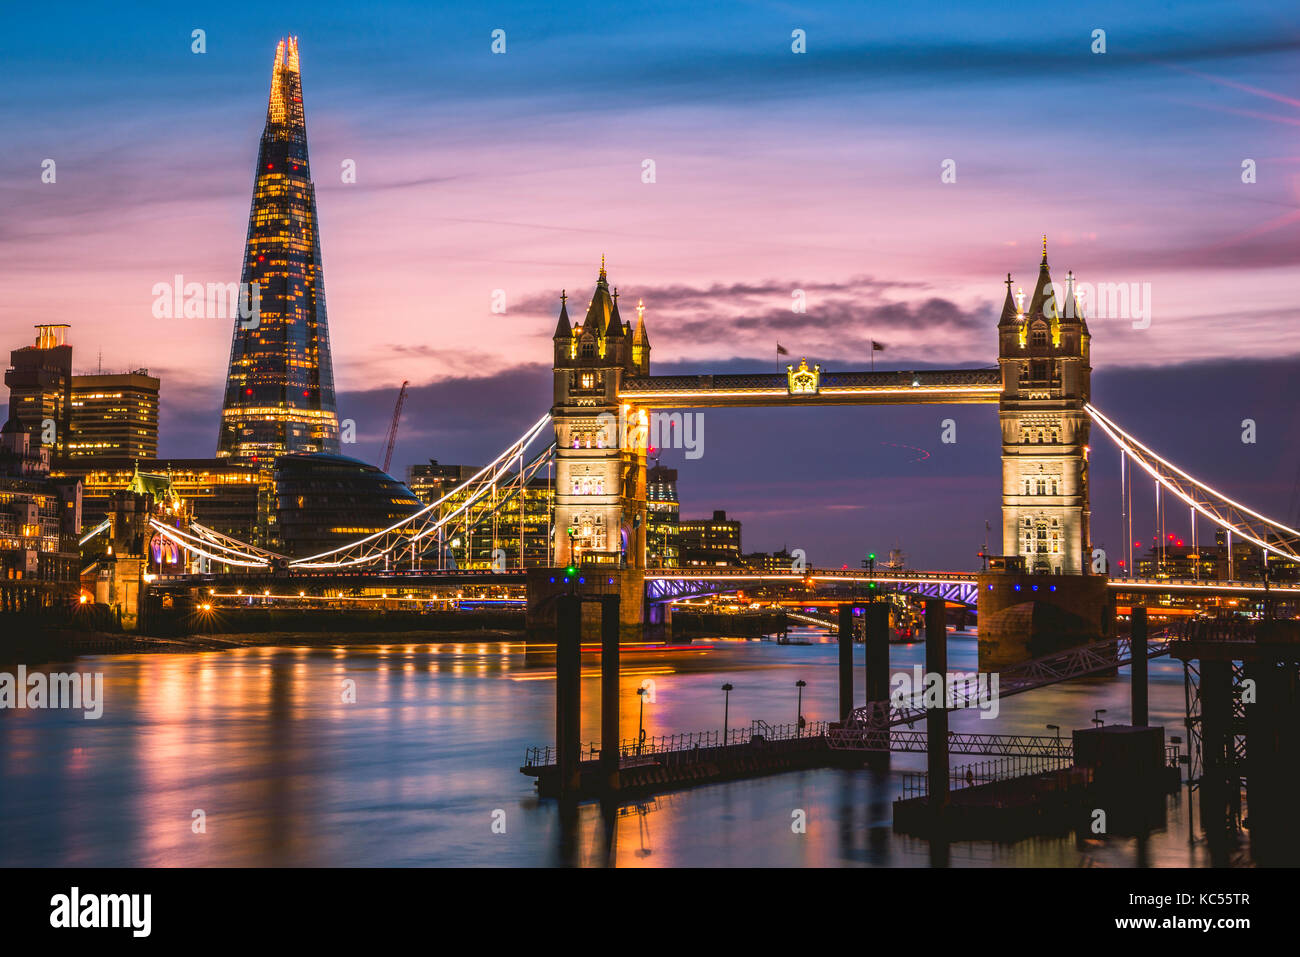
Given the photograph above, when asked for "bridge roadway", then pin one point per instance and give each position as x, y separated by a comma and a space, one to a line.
928, 387
670, 584
674, 584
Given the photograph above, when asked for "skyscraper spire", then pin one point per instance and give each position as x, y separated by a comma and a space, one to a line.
280, 385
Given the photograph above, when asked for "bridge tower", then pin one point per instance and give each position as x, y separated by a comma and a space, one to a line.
600, 457
1043, 350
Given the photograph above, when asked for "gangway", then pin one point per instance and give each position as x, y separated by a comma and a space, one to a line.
1050, 669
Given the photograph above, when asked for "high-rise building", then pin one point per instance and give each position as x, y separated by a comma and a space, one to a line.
113, 417
1043, 353
280, 387
495, 542
709, 541
40, 387
432, 481
663, 516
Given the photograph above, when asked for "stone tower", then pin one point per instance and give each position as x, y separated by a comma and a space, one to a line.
600, 443
1043, 354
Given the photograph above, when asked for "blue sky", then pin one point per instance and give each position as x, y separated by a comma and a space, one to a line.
775, 171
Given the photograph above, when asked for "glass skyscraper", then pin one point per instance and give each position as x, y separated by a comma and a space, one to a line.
280, 387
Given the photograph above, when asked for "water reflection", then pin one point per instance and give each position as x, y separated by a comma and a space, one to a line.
288, 771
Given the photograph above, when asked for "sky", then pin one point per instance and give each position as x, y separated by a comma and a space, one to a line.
775, 171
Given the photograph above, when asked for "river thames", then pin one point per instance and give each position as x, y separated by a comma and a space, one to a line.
416, 771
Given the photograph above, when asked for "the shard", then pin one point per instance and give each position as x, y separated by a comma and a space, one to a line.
280, 385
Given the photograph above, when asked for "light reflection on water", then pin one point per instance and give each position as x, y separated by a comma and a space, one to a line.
287, 773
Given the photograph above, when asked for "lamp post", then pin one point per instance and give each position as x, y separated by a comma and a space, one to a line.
640, 720
1097, 717
1057, 729
726, 709
800, 684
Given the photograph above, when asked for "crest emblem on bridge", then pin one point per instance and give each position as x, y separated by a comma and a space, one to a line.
804, 381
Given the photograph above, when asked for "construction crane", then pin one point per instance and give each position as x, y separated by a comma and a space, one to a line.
392, 429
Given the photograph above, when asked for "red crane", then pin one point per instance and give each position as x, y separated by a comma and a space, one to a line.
392, 429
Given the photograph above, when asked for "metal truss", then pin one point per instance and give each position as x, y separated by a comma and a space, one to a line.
432, 518
485, 510
958, 592
883, 739
455, 510
672, 584
1227, 514
101, 527
1037, 673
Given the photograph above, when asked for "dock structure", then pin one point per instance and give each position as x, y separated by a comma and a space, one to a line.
1242, 683
1242, 691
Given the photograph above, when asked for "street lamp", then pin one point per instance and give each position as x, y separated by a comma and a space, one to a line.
726, 709
640, 721
1097, 719
800, 684
1057, 729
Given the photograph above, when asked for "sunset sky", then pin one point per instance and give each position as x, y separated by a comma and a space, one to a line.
775, 171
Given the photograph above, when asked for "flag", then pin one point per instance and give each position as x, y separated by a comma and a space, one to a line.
877, 346
782, 350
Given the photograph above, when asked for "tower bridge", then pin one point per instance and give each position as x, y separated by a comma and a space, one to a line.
597, 434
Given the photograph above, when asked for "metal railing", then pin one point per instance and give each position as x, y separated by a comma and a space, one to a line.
917, 783
1016, 679
685, 744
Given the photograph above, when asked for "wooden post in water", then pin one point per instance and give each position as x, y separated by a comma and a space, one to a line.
846, 660
609, 673
1138, 687
936, 719
568, 690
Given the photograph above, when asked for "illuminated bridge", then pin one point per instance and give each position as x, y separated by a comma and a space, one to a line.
595, 440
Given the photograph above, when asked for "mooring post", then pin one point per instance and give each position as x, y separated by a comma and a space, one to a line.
1216, 744
936, 719
846, 660
609, 669
1138, 685
568, 669
877, 628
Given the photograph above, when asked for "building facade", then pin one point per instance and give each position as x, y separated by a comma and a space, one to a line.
710, 541
113, 417
280, 386
1043, 353
663, 518
233, 500
40, 519
40, 387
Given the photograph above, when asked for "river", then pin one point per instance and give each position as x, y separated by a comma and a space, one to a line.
422, 769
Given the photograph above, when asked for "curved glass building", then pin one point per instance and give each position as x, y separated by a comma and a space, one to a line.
323, 501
